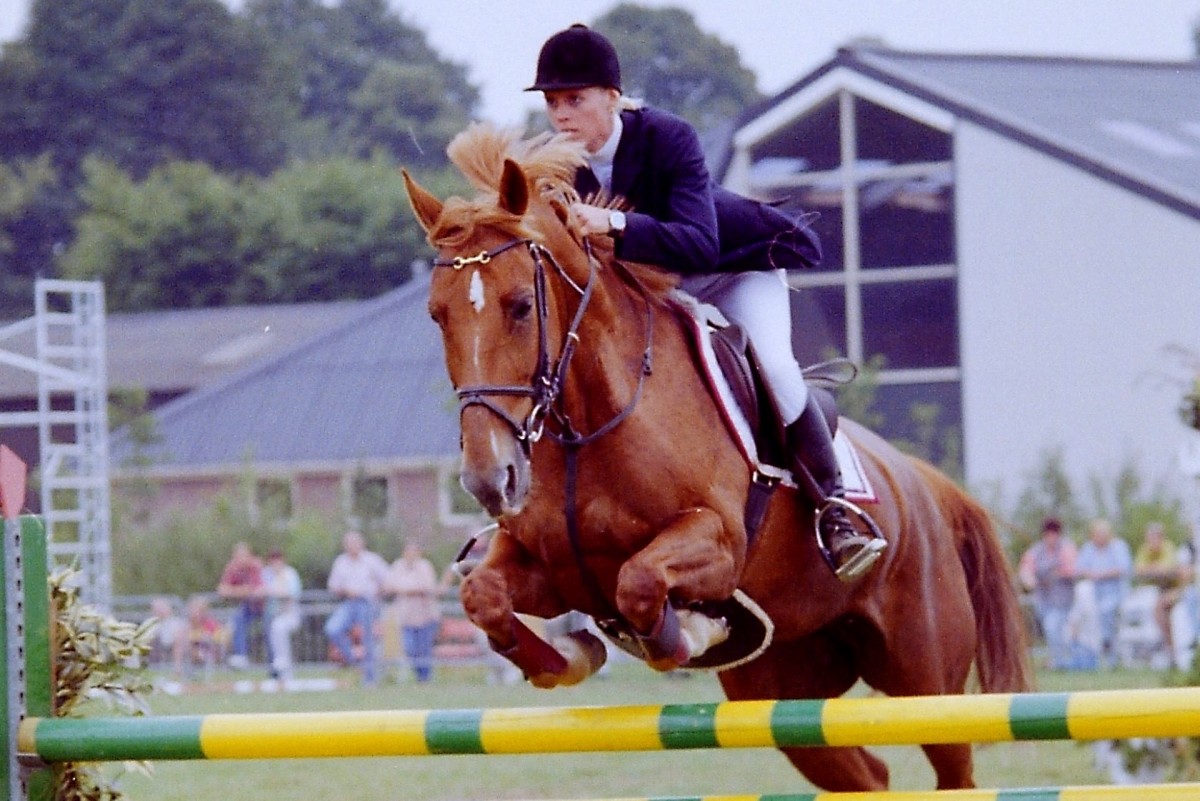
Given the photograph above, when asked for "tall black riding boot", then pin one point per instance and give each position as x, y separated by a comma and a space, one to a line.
849, 551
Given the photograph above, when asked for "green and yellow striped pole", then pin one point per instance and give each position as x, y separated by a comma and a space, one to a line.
1168, 712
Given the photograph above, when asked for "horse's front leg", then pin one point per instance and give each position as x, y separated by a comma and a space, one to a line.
693, 559
508, 581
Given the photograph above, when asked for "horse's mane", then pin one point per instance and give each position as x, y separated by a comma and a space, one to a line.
550, 162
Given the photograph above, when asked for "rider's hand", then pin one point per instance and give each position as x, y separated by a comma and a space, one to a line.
592, 219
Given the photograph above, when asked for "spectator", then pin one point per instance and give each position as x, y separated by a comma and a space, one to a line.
415, 583
1185, 617
1106, 561
281, 585
1157, 564
358, 578
1047, 570
1085, 640
170, 635
241, 581
205, 636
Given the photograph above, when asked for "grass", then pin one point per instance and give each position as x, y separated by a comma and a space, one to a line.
604, 775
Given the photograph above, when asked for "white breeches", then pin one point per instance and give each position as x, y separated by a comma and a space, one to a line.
758, 301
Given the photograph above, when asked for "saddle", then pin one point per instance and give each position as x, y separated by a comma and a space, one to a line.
731, 367
739, 365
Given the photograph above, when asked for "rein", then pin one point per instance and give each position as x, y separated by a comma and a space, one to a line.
546, 384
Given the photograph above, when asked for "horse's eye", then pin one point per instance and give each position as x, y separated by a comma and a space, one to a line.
438, 314
520, 308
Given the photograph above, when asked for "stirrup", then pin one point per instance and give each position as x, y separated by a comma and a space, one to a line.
867, 555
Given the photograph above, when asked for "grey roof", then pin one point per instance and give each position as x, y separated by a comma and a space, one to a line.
372, 387
1134, 123
176, 351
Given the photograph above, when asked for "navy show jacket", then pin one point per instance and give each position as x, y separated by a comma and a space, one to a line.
682, 221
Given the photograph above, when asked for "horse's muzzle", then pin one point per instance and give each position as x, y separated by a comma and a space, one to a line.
502, 486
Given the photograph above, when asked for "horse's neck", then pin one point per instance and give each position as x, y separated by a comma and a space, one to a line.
602, 374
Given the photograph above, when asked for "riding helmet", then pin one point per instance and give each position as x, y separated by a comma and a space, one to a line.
576, 58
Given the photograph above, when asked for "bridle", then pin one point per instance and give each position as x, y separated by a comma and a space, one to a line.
546, 383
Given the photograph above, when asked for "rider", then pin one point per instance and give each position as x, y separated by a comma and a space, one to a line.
731, 251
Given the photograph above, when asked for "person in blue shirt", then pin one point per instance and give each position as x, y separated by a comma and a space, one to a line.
1106, 560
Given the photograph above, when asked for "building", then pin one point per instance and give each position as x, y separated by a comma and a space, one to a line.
357, 421
1018, 238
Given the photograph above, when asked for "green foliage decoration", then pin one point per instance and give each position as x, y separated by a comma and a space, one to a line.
98, 661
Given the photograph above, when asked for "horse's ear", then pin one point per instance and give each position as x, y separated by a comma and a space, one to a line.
514, 189
427, 207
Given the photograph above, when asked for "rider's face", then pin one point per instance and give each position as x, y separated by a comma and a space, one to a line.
585, 114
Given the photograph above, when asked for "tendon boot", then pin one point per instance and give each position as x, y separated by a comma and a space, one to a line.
849, 552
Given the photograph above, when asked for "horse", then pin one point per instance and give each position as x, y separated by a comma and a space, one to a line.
591, 437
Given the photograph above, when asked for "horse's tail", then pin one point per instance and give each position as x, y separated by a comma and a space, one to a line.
1001, 648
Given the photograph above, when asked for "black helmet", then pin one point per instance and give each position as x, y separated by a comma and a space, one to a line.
575, 58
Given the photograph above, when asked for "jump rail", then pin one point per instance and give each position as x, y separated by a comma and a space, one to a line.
986, 718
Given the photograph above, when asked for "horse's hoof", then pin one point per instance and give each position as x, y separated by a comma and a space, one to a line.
701, 632
585, 655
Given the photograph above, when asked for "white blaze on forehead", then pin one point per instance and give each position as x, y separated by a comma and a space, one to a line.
475, 293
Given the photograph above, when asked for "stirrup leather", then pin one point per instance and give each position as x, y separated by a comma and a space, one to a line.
862, 561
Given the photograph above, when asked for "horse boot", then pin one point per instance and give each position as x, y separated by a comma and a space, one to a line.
848, 552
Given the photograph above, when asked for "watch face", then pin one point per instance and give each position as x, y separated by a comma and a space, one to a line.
616, 221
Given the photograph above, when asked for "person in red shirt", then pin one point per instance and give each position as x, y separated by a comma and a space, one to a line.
242, 581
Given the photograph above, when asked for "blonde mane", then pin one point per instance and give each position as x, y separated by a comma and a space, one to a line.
549, 162
479, 152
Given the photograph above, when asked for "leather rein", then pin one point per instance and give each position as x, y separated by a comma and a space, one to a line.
546, 384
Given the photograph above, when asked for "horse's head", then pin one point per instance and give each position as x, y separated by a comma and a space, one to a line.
500, 327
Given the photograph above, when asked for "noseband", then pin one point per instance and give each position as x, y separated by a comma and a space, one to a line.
547, 380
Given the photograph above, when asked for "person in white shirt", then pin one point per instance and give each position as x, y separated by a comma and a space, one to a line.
415, 583
358, 578
281, 585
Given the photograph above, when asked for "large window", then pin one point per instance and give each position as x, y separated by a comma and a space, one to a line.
886, 294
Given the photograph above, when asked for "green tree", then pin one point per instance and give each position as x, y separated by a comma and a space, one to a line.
335, 229
193, 84
369, 80
33, 212
670, 63
140, 82
165, 242
187, 236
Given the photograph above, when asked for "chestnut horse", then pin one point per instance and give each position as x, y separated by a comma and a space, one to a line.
631, 507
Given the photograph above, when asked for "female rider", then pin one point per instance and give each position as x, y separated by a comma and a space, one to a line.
731, 251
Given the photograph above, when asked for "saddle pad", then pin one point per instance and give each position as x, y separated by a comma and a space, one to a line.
702, 319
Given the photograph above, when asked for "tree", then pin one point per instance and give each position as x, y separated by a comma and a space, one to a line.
670, 63
187, 236
368, 79
34, 209
166, 242
193, 84
335, 229
140, 82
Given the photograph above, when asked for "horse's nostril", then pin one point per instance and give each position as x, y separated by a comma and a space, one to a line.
510, 486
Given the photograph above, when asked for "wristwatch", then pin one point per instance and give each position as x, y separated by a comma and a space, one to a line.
616, 223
